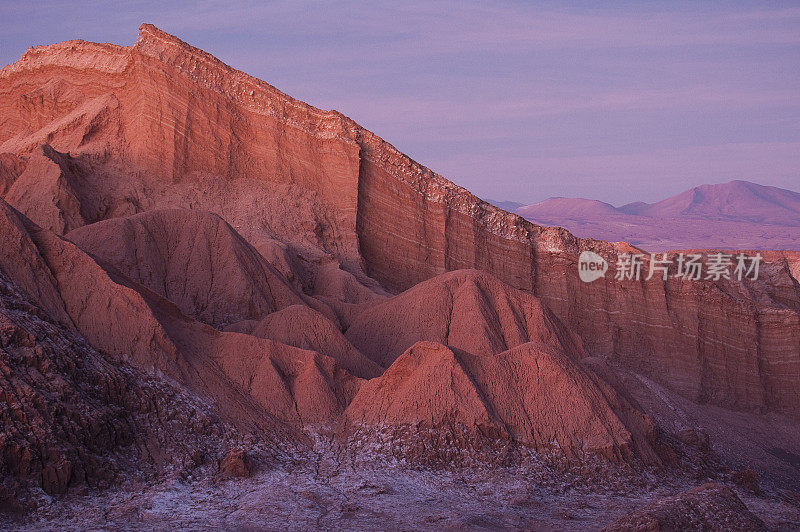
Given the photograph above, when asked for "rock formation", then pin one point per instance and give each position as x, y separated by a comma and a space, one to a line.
162, 124
467, 309
192, 258
532, 394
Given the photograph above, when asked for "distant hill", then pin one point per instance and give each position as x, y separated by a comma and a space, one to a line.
734, 215
568, 207
510, 206
735, 201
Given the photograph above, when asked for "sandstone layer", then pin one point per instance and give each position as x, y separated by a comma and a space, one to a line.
189, 252
162, 124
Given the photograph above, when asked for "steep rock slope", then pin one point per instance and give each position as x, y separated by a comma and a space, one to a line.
192, 258
534, 395
161, 123
466, 309
70, 415
252, 381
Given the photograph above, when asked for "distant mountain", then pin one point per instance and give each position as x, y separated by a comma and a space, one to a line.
567, 207
735, 201
734, 215
510, 206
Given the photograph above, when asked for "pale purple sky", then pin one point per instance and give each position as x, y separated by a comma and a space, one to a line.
513, 100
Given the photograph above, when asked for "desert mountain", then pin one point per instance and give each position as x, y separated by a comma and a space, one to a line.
739, 201
568, 208
175, 227
735, 215
335, 206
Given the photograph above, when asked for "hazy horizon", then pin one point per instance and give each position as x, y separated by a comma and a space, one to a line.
795, 190
514, 101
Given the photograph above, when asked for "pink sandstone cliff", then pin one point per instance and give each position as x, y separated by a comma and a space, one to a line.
162, 124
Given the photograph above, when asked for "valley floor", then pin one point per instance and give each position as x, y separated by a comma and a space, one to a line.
323, 493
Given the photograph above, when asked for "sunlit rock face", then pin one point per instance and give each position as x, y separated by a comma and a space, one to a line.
163, 124
278, 279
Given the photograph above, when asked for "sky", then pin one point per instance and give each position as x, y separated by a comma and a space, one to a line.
520, 101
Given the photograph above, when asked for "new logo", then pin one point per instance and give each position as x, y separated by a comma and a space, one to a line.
591, 266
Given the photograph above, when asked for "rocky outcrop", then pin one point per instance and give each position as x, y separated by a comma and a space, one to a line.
192, 258
70, 416
707, 507
163, 124
466, 309
533, 395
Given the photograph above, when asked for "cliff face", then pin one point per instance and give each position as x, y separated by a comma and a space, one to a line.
165, 109
163, 124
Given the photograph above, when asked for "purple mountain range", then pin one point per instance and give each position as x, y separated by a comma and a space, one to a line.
735, 215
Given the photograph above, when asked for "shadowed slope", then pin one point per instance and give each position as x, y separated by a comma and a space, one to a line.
303, 327
466, 309
192, 258
254, 383
45, 192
